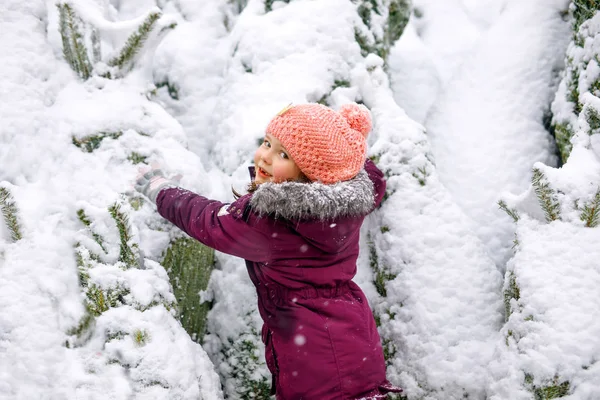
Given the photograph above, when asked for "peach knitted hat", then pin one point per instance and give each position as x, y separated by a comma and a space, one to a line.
328, 146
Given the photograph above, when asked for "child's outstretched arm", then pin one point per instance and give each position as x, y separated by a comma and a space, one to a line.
223, 227
208, 221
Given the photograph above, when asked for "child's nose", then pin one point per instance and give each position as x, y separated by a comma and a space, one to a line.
267, 157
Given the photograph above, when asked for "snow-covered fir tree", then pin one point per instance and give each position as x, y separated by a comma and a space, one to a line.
100, 306
428, 326
552, 339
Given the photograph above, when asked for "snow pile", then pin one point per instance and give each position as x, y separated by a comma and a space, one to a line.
551, 291
436, 42
439, 307
502, 92
86, 309
189, 67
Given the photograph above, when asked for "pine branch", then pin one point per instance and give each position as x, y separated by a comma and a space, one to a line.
135, 42
421, 175
510, 211
86, 221
563, 134
593, 119
553, 390
242, 355
398, 15
546, 196
9, 212
99, 300
591, 212
126, 253
84, 326
396, 12
74, 48
83, 259
96, 46
92, 142
583, 10
381, 275
512, 292
189, 264
140, 337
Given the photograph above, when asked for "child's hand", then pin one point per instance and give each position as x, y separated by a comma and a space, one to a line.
150, 183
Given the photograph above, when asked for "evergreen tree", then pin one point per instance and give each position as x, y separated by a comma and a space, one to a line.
385, 21
403, 236
10, 214
560, 211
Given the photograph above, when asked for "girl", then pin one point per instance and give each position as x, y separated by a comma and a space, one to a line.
298, 230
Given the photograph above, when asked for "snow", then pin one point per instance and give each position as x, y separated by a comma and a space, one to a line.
44, 104
554, 330
502, 90
458, 125
436, 326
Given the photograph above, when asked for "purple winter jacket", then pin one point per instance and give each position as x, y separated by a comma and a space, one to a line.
300, 243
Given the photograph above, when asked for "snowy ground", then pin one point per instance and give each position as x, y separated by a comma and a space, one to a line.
478, 75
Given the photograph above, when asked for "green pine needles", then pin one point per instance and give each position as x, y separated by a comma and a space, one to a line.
398, 15
100, 300
512, 292
127, 251
86, 221
590, 214
74, 30
381, 274
510, 211
396, 12
10, 214
92, 142
100, 295
554, 390
135, 42
546, 196
563, 134
74, 48
582, 11
189, 264
593, 119
421, 175
243, 355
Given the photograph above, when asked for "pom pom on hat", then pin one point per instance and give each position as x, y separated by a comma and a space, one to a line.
358, 117
328, 146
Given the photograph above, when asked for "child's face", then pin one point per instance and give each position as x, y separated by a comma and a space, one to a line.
273, 163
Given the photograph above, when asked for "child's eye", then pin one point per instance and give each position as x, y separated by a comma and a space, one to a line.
283, 155
266, 143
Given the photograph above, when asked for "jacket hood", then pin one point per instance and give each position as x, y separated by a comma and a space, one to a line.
315, 200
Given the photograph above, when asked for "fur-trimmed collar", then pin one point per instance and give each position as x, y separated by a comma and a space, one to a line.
314, 200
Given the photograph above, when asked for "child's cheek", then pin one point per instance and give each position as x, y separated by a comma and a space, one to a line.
277, 174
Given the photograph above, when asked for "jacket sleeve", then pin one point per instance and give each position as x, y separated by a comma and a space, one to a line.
224, 227
378, 180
